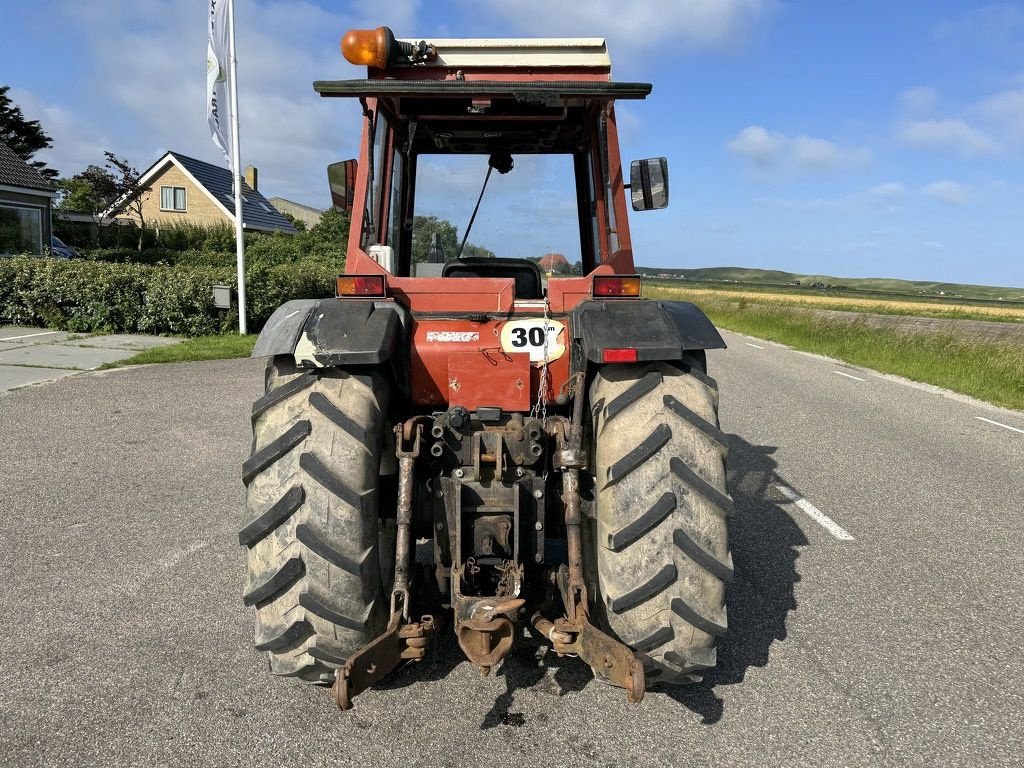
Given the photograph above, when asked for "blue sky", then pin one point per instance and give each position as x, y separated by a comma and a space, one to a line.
856, 139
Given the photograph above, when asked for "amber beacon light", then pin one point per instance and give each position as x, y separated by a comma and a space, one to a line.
378, 48
368, 47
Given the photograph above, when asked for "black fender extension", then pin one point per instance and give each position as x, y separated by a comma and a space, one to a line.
657, 330
322, 333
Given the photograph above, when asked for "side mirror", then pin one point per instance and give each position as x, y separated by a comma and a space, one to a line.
342, 178
648, 183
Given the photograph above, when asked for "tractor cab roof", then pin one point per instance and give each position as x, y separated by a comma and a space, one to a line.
467, 116
470, 95
546, 92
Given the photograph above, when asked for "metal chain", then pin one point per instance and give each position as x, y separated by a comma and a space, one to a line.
540, 408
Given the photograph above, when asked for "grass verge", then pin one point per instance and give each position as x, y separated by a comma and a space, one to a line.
990, 371
198, 348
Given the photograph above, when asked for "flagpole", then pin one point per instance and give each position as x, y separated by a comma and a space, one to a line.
235, 168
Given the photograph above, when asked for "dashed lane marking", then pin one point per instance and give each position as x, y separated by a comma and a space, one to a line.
855, 378
815, 514
752, 345
1004, 426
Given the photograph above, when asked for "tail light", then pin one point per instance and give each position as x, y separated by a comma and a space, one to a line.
365, 286
617, 286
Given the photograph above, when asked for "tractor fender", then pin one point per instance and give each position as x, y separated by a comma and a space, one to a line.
657, 330
322, 333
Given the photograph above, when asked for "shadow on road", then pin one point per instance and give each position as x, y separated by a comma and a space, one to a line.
765, 542
526, 666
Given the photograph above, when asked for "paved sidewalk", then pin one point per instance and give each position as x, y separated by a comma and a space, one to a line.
34, 355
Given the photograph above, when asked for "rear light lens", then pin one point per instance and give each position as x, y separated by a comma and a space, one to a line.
617, 286
359, 285
618, 356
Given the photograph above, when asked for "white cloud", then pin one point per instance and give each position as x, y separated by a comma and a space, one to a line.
761, 147
919, 100
890, 190
949, 134
1004, 113
820, 154
775, 151
994, 24
948, 192
638, 26
721, 227
931, 245
881, 198
76, 144
144, 77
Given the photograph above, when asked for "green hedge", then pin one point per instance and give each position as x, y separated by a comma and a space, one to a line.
93, 296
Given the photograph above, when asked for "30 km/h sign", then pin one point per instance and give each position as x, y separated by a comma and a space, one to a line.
544, 340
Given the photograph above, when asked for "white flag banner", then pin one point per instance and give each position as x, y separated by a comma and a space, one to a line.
217, 77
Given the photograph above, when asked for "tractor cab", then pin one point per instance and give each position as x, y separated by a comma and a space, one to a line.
479, 158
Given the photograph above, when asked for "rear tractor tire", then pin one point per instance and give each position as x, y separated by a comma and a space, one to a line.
315, 541
661, 513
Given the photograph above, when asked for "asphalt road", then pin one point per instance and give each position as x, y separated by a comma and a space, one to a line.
125, 642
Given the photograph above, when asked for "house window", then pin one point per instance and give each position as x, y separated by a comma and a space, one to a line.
172, 198
21, 230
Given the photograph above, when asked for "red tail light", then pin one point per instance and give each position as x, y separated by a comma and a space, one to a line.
359, 285
617, 286
618, 356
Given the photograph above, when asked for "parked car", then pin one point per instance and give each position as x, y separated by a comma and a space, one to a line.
61, 250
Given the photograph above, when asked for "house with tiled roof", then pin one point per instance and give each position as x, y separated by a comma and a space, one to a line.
179, 188
554, 262
26, 201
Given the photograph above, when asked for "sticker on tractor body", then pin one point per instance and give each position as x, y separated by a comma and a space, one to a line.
536, 336
463, 337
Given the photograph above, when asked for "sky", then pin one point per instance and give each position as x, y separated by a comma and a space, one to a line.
867, 139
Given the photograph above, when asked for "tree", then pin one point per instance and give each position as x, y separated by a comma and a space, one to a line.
476, 252
24, 137
424, 227
91, 191
127, 189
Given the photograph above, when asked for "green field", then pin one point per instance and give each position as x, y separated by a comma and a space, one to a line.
991, 371
776, 280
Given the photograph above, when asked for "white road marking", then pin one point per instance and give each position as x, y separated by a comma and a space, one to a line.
28, 336
815, 514
1004, 426
856, 378
752, 345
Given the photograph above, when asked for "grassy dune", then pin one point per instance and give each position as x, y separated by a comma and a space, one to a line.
778, 279
989, 371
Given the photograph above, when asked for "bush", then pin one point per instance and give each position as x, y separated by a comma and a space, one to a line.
201, 245
184, 236
92, 296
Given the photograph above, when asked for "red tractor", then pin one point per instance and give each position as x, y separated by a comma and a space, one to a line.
551, 441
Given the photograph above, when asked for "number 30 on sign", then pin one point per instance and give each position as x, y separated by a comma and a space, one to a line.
535, 336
